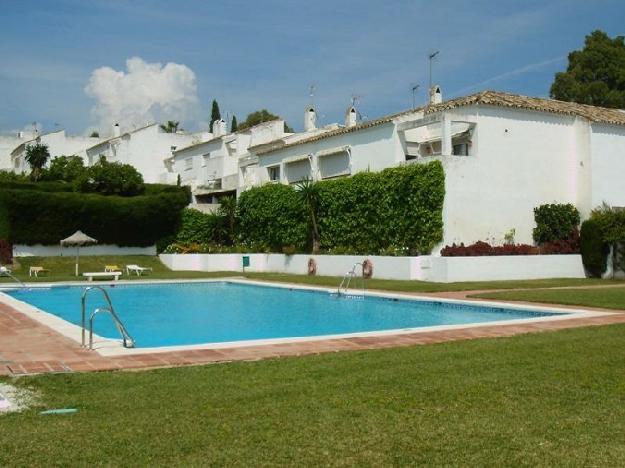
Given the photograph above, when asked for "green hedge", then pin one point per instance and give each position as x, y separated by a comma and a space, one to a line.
396, 211
554, 222
593, 248
272, 217
38, 217
201, 228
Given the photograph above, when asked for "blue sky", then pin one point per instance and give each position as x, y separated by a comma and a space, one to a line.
255, 54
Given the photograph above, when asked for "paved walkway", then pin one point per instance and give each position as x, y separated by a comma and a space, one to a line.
28, 347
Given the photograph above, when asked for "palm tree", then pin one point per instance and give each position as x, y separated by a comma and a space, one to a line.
37, 156
228, 209
171, 126
309, 194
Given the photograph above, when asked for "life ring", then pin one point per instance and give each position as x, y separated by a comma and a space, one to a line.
367, 269
312, 267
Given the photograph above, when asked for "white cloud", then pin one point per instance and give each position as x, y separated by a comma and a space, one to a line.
145, 92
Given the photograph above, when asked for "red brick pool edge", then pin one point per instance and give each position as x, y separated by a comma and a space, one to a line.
29, 347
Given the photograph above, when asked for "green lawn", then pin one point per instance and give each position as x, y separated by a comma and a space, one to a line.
62, 268
554, 398
423, 286
609, 298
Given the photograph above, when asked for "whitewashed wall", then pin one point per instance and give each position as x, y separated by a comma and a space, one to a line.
58, 251
608, 165
519, 160
426, 268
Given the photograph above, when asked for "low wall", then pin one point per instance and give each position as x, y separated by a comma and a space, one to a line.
425, 268
58, 251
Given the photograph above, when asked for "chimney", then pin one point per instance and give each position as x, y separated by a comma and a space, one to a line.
351, 116
219, 128
436, 97
310, 119
116, 130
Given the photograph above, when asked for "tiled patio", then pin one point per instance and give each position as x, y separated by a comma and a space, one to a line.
28, 347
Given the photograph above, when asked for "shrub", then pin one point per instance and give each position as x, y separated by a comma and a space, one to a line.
65, 168
272, 216
201, 228
480, 248
593, 248
110, 178
36, 217
554, 222
398, 210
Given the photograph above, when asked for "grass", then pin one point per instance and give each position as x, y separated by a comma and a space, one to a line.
608, 298
554, 398
426, 286
62, 268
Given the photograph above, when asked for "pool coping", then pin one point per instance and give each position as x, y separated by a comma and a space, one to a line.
113, 348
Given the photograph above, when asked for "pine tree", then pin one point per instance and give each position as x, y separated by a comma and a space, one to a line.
215, 115
233, 125
595, 74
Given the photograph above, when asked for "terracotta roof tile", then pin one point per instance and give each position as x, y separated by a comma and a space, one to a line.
489, 98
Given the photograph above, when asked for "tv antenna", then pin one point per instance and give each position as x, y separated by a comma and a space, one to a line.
431, 57
414, 88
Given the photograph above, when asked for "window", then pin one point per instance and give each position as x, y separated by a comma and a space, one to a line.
460, 149
334, 165
296, 171
188, 164
274, 173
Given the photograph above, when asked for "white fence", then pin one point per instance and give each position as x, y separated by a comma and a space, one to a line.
426, 268
98, 249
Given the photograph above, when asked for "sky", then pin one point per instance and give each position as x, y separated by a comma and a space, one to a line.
81, 64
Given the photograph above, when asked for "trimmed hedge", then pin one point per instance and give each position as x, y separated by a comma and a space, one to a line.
555, 221
272, 217
38, 217
201, 228
396, 211
593, 248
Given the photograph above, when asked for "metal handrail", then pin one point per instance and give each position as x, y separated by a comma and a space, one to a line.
5, 271
347, 278
128, 341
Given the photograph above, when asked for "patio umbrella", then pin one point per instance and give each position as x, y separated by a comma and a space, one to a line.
78, 240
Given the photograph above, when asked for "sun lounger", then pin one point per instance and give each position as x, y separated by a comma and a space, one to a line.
102, 274
112, 268
4, 270
138, 270
37, 270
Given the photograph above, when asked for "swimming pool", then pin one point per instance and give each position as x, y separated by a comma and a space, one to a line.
176, 314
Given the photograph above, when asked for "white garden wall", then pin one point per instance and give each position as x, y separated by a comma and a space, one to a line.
426, 268
58, 251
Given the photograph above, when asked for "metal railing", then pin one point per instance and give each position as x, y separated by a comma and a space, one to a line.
128, 341
347, 279
4, 271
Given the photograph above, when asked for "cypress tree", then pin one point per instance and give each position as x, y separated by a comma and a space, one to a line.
215, 115
233, 125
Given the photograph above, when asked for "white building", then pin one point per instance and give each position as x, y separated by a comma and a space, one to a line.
218, 166
8, 142
503, 155
58, 143
146, 148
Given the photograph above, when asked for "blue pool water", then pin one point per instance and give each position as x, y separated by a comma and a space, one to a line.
195, 313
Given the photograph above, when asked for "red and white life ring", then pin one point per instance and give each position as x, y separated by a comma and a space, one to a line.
312, 267
367, 269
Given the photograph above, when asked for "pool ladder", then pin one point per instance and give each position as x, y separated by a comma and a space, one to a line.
126, 338
347, 279
4, 271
